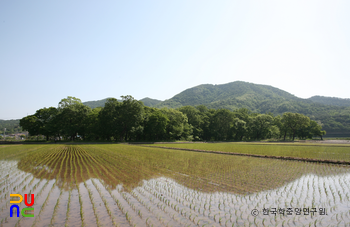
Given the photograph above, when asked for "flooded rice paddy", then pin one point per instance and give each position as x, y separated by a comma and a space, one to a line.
124, 185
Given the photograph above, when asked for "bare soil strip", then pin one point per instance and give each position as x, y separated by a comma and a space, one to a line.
258, 156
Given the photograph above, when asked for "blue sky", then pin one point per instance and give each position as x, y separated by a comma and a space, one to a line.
97, 49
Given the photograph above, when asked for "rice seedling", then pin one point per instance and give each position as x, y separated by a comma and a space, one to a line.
195, 188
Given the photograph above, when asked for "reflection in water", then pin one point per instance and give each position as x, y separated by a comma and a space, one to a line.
144, 186
203, 172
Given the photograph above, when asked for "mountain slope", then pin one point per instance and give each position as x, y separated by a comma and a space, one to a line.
94, 104
231, 96
262, 99
150, 102
330, 100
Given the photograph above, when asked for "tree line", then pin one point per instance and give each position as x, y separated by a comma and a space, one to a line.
130, 120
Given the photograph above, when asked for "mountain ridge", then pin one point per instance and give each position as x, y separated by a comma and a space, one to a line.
333, 113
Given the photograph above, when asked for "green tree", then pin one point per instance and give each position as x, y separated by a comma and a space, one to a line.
93, 129
129, 116
46, 120
240, 129
155, 126
222, 124
177, 127
260, 126
195, 119
315, 129
30, 124
294, 122
108, 119
72, 117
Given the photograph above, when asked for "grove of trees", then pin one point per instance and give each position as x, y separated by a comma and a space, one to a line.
130, 120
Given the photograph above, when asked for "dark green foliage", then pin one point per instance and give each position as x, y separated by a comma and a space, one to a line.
155, 126
130, 120
31, 124
129, 117
222, 125
107, 119
294, 122
177, 127
260, 126
72, 118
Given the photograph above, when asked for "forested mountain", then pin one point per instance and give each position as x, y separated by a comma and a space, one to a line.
263, 99
150, 102
330, 100
230, 96
94, 104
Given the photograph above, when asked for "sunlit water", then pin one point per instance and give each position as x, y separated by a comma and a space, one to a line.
321, 200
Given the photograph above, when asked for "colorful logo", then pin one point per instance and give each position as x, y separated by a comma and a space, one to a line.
26, 212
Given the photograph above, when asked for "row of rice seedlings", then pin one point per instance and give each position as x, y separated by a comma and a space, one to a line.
123, 209
26, 166
175, 204
100, 167
150, 213
5, 168
76, 182
89, 191
157, 208
53, 185
13, 182
124, 168
277, 193
126, 162
15, 152
189, 196
219, 215
7, 194
110, 166
82, 159
86, 162
100, 159
10, 190
66, 158
127, 199
21, 218
214, 159
12, 176
51, 160
105, 203
71, 184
